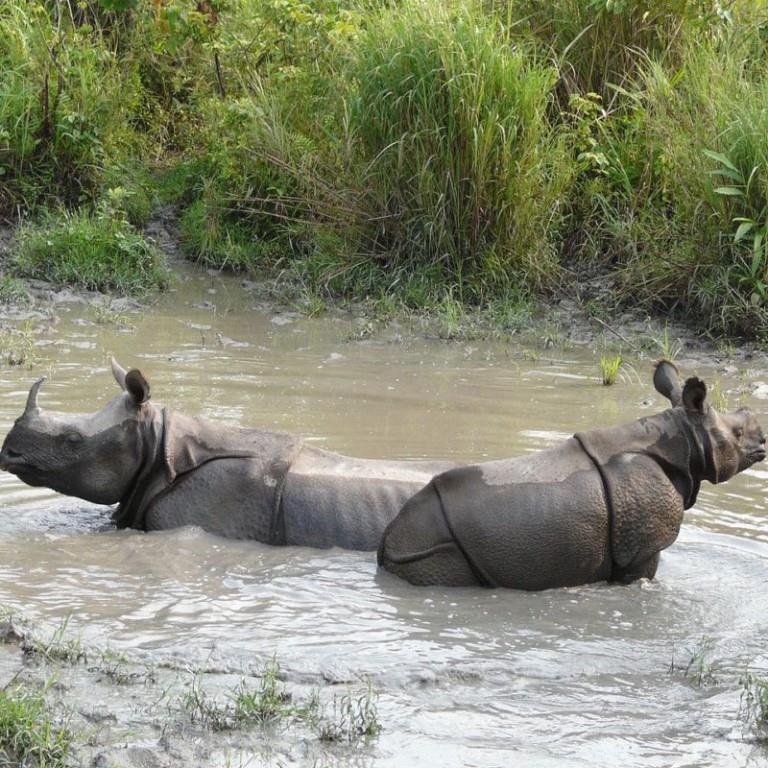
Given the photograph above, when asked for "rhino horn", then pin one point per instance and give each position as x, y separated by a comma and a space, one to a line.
32, 406
666, 379
119, 373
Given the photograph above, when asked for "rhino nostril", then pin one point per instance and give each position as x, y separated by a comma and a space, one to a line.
12, 454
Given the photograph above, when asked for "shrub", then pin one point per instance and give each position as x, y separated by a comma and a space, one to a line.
65, 108
698, 174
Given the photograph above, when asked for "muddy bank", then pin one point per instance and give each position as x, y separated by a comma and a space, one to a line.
586, 316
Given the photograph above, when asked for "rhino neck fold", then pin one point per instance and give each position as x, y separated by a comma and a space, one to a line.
173, 445
668, 438
149, 477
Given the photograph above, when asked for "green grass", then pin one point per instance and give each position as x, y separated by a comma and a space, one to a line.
400, 152
609, 369
28, 735
464, 169
17, 346
93, 251
352, 718
12, 290
244, 707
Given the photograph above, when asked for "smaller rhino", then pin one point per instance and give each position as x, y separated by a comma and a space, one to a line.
599, 507
165, 470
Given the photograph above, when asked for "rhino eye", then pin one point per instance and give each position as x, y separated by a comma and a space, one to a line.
738, 432
73, 438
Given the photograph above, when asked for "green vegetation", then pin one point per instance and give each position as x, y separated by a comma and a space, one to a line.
609, 369
425, 154
97, 252
350, 718
700, 670
56, 647
244, 707
354, 718
17, 346
28, 736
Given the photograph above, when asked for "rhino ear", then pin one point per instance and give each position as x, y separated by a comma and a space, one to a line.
695, 395
137, 386
666, 379
119, 373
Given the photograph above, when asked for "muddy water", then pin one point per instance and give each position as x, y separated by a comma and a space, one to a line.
465, 677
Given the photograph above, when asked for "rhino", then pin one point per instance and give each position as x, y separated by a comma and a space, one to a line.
165, 469
599, 507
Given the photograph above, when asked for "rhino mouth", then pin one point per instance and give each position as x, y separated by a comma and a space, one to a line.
758, 455
14, 463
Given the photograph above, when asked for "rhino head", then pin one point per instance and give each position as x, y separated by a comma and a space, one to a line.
732, 442
92, 456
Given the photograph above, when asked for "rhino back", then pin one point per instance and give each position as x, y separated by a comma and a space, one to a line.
229, 497
333, 500
534, 522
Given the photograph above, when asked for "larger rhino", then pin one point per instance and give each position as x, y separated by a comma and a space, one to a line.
165, 469
601, 506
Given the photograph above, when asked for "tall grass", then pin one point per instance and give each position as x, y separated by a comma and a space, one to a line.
599, 44
462, 162
694, 165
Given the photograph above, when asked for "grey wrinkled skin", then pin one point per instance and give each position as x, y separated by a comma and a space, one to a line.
165, 470
599, 507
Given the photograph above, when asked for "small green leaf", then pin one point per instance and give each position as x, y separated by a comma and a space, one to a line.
744, 228
729, 191
720, 159
729, 174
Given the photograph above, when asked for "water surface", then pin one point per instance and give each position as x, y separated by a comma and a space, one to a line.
466, 677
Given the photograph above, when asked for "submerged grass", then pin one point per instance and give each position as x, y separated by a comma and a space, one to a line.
699, 668
754, 704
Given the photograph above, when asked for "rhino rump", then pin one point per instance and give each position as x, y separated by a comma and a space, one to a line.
462, 531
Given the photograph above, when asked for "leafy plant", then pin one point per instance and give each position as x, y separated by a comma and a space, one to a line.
748, 194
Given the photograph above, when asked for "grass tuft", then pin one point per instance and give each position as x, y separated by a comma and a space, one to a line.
28, 735
353, 718
609, 369
699, 668
93, 251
